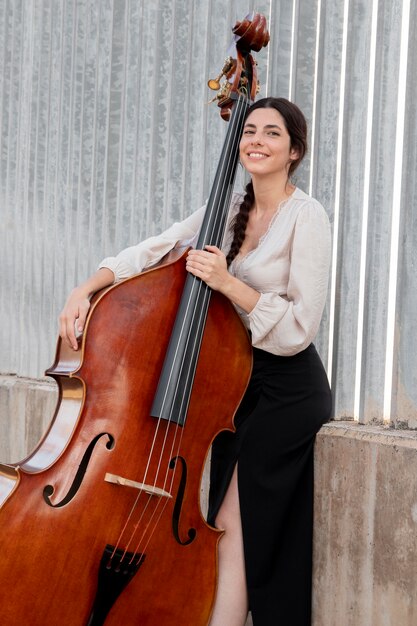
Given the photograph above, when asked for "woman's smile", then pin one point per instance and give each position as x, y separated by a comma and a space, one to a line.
257, 155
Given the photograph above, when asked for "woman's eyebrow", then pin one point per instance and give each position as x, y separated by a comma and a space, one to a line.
267, 126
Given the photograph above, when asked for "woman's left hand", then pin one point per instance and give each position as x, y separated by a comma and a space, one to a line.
210, 265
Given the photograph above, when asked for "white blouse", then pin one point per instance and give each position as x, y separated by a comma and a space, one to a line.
289, 268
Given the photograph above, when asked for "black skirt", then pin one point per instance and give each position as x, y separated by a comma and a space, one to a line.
287, 401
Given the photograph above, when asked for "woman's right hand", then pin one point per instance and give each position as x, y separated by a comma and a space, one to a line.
73, 315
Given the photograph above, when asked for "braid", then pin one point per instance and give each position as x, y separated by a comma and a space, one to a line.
239, 223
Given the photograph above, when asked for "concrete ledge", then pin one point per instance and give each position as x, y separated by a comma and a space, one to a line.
365, 543
26, 409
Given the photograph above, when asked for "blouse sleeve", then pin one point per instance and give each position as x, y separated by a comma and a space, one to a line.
137, 258
287, 324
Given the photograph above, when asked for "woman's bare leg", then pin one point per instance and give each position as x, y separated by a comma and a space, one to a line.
231, 604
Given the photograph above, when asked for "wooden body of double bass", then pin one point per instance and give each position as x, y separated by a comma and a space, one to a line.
56, 522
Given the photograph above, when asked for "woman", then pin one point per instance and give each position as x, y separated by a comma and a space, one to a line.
273, 266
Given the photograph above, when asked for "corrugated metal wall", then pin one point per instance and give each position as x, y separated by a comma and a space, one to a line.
106, 138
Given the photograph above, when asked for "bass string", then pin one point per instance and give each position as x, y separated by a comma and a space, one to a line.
168, 480
150, 498
162, 503
138, 498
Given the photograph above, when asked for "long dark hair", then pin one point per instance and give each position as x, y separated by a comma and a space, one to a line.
296, 126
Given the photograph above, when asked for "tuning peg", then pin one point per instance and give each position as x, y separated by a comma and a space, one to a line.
214, 83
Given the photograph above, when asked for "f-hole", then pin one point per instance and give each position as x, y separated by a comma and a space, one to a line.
178, 503
82, 468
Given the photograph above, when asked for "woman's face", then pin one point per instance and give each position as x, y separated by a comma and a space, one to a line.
265, 144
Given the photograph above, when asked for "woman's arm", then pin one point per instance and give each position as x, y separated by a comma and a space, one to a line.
137, 258
287, 325
130, 261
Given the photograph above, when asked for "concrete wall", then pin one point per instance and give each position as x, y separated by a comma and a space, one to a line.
26, 408
365, 567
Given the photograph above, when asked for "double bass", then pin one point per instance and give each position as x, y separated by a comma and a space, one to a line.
102, 524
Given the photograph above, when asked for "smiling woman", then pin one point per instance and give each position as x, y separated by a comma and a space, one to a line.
273, 266
278, 255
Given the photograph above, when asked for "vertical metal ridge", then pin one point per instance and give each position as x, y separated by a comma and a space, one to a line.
188, 86
153, 117
122, 127
52, 219
268, 49
335, 257
13, 163
4, 209
19, 189
8, 296
365, 211
105, 231
166, 208
396, 209
135, 188
83, 104
294, 26
313, 130
92, 204
208, 69
37, 264
3, 44
71, 159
